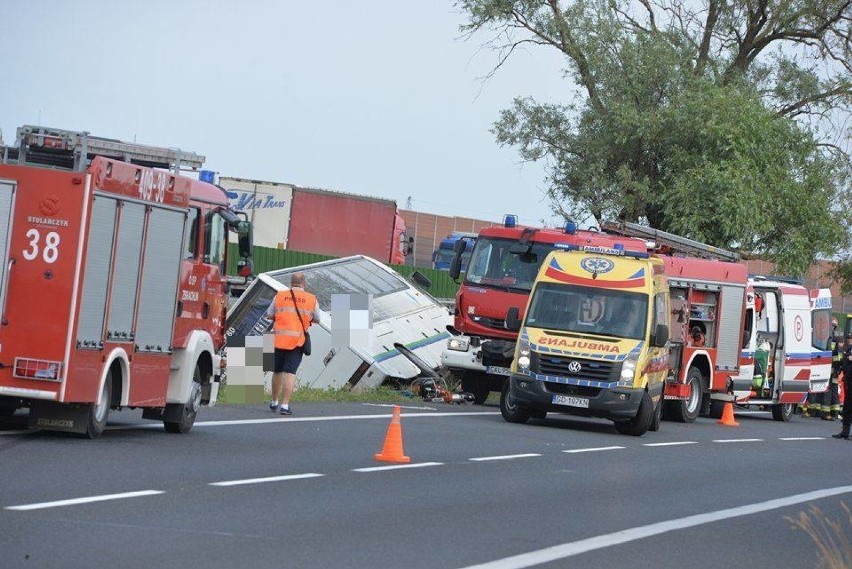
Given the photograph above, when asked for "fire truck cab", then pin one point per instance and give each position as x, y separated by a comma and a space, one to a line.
112, 281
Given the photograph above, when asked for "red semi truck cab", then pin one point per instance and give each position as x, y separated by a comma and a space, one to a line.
112, 282
500, 275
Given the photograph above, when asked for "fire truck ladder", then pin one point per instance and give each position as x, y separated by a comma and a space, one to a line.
74, 150
676, 243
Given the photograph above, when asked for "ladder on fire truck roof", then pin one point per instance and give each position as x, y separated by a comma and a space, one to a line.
74, 150
676, 243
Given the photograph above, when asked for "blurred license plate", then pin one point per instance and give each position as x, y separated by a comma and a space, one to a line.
497, 370
570, 401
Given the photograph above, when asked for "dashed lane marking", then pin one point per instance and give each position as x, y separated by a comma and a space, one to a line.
267, 479
396, 466
737, 440
504, 457
801, 438
87, 500
676, 443
598, 449
565, 550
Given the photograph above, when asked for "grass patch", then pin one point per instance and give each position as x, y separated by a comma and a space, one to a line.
343, 395
832, 537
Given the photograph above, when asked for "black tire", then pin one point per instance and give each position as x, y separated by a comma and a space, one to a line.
8, 407
638, 425
98, 413
538, 414
687, 411
511, 411
658, 415
477, 384
189, 410
783, 411
716, 408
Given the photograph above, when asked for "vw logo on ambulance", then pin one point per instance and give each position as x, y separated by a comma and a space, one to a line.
597, 265
574, 367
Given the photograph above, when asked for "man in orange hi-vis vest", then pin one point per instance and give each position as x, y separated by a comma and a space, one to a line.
292, 311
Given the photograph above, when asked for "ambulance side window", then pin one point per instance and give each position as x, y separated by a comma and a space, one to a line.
215, 239
747, 327
190, 237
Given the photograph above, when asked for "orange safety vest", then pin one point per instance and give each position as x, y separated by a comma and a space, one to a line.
288, 329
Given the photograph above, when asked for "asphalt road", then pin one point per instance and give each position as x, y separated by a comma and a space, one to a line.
247, 488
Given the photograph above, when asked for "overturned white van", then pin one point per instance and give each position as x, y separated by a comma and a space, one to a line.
400, 313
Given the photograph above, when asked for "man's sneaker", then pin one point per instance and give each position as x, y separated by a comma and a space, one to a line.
284, 411
273, 407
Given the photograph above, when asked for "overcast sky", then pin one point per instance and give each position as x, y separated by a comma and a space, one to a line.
376, 97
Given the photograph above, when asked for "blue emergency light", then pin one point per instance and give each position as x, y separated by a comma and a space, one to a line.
619, 247
570, 227
208, 176
510, 220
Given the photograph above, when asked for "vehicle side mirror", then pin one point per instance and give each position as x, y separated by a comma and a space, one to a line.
455, 266
244, 239
459, 246
513, 321
661, 336
409, 247
421, 280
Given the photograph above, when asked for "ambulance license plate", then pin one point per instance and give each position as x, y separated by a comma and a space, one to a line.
497, 370
570, 401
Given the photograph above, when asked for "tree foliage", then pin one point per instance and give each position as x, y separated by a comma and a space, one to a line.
713, 119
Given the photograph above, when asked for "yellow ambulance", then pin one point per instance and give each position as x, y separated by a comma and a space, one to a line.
593, 341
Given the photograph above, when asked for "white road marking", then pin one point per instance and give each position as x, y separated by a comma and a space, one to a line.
670, 444
504, 457
801, 438
591, 449
396, 466
236, 422
75, 501
737, 440
400, 406
267, 479
565, 550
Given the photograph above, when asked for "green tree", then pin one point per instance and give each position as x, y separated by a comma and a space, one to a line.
709, 119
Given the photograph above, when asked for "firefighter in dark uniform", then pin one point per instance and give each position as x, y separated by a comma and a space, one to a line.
831, 398
846, 370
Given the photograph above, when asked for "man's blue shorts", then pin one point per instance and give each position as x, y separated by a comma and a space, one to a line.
287, 361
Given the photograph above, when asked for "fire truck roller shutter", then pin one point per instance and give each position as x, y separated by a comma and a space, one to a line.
160, 275
96, 279
7, 191
125, 275
729, 327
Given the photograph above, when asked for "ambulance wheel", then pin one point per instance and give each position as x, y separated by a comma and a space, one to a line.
189, 410
638, 425
687, 411
538, 414
658, 415
477, 384
783, 411
512, 412
97, 413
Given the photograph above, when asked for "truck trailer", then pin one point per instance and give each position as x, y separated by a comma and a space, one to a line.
310, 220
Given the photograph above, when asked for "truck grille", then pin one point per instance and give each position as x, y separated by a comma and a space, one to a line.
490, 322
563, 366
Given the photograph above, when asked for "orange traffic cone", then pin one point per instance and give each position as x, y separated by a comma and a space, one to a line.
728, 416
392, 451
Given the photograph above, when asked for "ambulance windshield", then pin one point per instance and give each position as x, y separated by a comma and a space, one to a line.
493, 265
587, 310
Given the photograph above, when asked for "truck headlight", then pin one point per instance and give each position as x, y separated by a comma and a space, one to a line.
628, 367
458, 344
524, 357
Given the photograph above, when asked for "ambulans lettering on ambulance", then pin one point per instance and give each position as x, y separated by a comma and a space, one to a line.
593, 340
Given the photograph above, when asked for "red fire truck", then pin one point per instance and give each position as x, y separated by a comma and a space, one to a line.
733, 338
500, 275
112, 281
